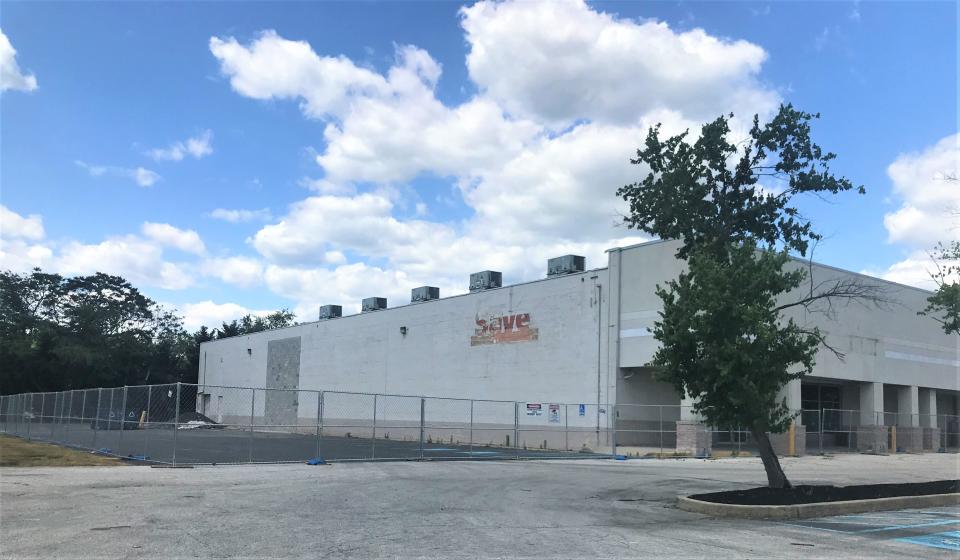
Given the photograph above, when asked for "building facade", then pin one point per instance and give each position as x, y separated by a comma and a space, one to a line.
582, 338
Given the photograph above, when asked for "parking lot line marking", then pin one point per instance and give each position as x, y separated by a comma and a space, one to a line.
895, 527
947, 541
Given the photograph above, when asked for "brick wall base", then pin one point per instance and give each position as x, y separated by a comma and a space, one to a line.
781, 442
873, 438
931, 438
693, 438
910, 439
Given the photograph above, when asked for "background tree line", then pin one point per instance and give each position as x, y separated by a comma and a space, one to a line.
60, 333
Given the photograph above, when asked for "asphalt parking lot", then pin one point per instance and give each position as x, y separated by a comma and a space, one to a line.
497, 509
224, 446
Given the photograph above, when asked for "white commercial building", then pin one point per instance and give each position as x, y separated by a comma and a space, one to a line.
581, 339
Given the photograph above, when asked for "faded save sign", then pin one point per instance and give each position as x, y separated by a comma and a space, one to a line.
497, 329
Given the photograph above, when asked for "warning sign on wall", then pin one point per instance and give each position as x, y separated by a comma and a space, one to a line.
554, 410
534, 409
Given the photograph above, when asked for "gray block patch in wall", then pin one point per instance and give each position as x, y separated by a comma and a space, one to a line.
283, 372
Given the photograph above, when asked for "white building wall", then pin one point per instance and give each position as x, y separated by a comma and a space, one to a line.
889, 343
564, 363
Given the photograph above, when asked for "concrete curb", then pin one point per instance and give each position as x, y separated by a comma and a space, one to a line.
804, 511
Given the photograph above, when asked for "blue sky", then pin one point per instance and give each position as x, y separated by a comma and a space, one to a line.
251, 156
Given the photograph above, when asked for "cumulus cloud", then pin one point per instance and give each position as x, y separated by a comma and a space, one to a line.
565, 96
196, 147
14, 225
212, 315
914, 270
239, 271
165, 234
11, 77
139, 175
276, 68
563, 61
22, 245
136, 259
928, 185
236, 216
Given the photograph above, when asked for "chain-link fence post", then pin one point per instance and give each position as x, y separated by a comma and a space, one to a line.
57, 398
69, 425
373, 435
820, 429
59, 419
123, 420
423, 403
660, 426
96, 418
516, 428
145, 425
566, 427
471, 427
319, 419
176, 423
83, 409
43, 402
613, 440
253, 400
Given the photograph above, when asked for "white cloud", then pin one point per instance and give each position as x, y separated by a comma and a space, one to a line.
212, 315
11, 77
326, 186
562, 61
136, 259
276, 68
15, 225
360, 223
926, 184
566, 97
197, 147
930, 203
21, 242
239, 215
240, 271
915, 270
140, 260
18, 255
139, 175
165, 234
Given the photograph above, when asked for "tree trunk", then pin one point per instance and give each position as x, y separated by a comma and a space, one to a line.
775, 475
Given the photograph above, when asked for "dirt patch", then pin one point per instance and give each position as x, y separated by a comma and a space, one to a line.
16, 452
809, 494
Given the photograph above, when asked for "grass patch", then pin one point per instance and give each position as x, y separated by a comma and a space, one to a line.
16, 452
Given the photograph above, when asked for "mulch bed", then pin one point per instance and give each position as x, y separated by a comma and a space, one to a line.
806, 494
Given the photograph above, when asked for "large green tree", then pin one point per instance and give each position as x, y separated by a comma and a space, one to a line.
724, 336
61, 333
944, 305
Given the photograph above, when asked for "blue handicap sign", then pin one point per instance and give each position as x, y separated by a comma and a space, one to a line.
583, 410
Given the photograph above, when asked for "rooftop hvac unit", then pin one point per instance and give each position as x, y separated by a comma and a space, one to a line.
330, 312
373, 304
485, 280
424, 293
567, 264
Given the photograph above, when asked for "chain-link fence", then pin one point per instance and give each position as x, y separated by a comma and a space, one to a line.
196, 424
191, 424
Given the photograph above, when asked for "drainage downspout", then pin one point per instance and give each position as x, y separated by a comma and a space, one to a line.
599, 346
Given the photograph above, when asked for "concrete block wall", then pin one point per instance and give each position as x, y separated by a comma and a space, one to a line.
781, 442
